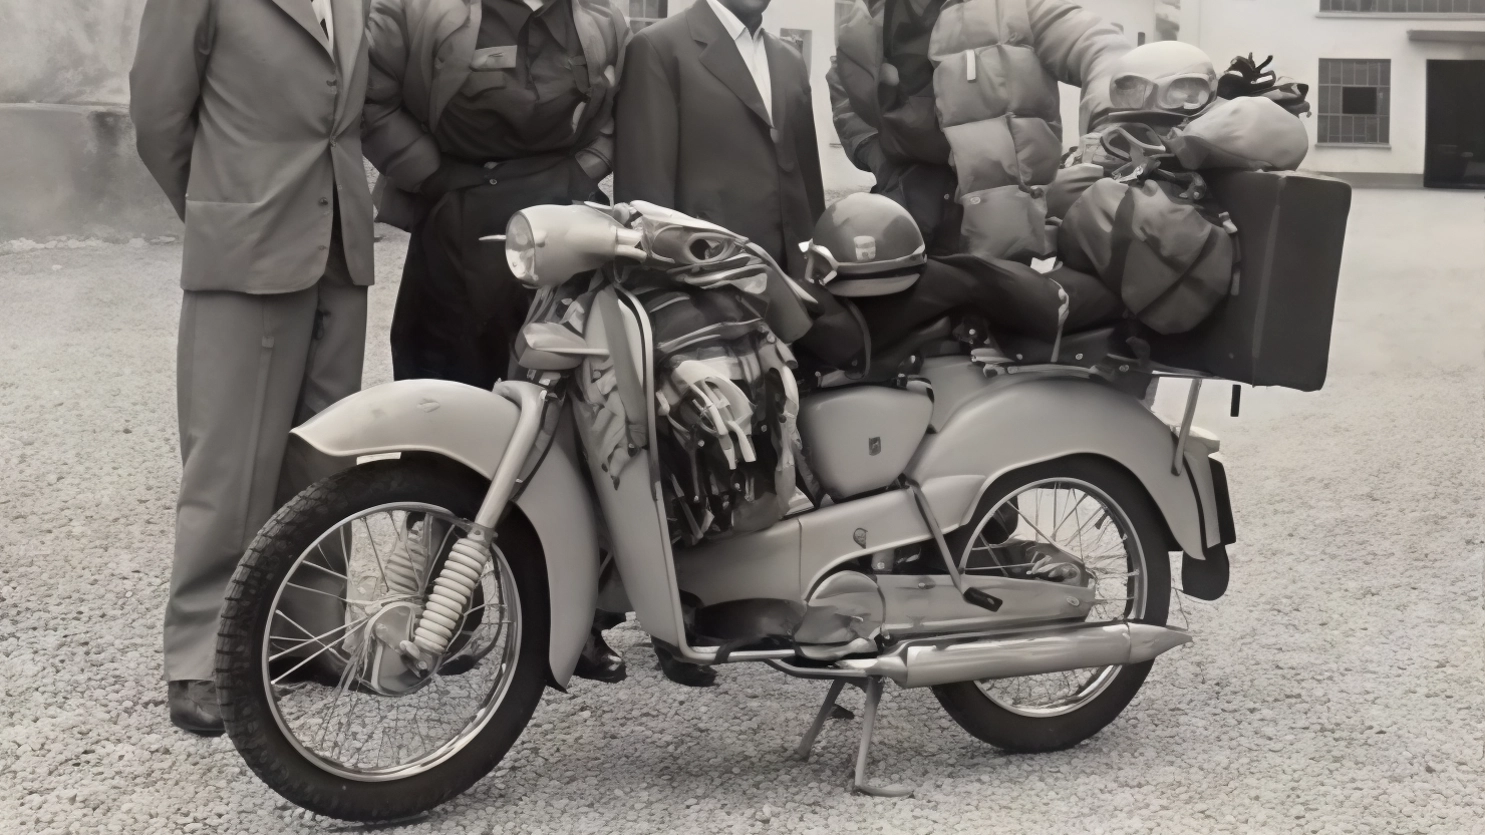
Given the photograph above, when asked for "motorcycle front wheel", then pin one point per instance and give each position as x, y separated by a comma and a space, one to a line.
314, 697
1101, 516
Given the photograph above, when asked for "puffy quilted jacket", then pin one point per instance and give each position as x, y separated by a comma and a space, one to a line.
994, 101
420, 52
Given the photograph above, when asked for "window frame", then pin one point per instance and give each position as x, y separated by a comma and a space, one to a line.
1390, 8
638, 21
1335, 128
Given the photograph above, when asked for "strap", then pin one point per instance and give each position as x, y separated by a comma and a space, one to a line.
1122, 239
865, 337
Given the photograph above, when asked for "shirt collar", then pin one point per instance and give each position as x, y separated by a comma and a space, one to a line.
734, 27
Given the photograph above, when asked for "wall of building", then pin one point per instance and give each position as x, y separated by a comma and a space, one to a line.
67, 51
65, 132
1299, 36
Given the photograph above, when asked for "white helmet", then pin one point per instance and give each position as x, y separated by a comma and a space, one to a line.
1164, 78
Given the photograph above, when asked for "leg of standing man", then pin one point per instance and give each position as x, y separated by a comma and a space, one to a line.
250, 367
248, 115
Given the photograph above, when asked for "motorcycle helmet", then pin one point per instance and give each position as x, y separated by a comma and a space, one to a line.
1165, 82
869, 245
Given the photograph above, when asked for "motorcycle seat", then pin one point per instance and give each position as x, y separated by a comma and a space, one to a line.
1013, 298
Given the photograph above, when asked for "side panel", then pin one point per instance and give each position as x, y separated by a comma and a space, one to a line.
473, 426
559, 505
858, 439
787, 561
640, 548
1026, 419
635, 520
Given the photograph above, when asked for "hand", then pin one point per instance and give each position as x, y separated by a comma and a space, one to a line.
872, 154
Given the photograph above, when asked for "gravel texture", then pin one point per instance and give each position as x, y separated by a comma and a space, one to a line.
1337, 688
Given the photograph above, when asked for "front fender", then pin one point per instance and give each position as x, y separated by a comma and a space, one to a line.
1023, 420
473, 426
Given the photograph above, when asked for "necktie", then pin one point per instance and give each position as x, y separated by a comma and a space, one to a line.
322, 14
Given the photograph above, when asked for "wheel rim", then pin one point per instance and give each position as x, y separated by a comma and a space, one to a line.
345, 727
1085, 521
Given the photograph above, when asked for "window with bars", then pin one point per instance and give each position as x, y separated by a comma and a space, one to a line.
799, 39
1404, 6
642, 13
1355, 102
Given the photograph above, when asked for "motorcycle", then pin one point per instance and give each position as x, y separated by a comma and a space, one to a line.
993, 525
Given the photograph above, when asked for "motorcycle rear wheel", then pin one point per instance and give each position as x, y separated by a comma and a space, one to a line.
499, 680
1065, 709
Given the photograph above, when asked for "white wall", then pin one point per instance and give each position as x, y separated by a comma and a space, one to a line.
67, 51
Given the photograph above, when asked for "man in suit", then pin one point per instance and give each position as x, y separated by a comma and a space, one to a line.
715, 120
248, 115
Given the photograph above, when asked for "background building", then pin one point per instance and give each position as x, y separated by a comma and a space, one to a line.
1398, 86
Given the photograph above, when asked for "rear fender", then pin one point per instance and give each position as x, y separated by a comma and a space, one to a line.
1026, 419
473, 426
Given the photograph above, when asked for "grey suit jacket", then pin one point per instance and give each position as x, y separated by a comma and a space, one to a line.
254, 132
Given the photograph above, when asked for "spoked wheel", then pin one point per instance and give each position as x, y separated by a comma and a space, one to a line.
315, 693
1104, 533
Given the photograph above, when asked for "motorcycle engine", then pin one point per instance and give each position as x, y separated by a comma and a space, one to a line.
726, 404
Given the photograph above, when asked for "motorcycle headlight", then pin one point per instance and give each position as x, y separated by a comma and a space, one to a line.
520, 249
1131, 92
1187, 93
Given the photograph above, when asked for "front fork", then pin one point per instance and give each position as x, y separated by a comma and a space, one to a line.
454, 586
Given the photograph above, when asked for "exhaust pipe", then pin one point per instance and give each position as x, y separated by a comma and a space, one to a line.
929, 663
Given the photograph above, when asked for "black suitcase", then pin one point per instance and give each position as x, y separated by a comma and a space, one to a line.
1276, 330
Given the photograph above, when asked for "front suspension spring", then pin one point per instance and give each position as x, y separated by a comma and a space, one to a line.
452, 591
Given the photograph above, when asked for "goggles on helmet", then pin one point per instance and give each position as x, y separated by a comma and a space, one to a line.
1181, 93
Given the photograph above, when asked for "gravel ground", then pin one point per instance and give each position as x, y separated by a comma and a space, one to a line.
1337, 688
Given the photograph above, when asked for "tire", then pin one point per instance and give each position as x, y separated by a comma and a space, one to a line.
990, 721
250, 716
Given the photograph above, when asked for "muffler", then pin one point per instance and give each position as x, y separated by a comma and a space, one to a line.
946, 661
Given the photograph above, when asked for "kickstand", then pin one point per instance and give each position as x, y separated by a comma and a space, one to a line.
808, 743
859, 784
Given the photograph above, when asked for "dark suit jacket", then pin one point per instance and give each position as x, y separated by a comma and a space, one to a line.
693, 134
253, 131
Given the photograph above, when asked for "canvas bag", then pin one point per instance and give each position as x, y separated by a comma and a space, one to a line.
725, 329
1168, 261
1251, 133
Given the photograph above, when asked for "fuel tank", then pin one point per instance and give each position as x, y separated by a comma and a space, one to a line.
861, 438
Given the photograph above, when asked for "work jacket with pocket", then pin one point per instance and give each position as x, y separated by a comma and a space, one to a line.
421, 53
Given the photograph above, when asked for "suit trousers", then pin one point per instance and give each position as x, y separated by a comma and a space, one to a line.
459, 307
249, 369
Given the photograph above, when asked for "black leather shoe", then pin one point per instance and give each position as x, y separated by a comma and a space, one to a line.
599, 662
682, 672
193, 707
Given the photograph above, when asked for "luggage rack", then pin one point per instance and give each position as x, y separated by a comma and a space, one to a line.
1158, 370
